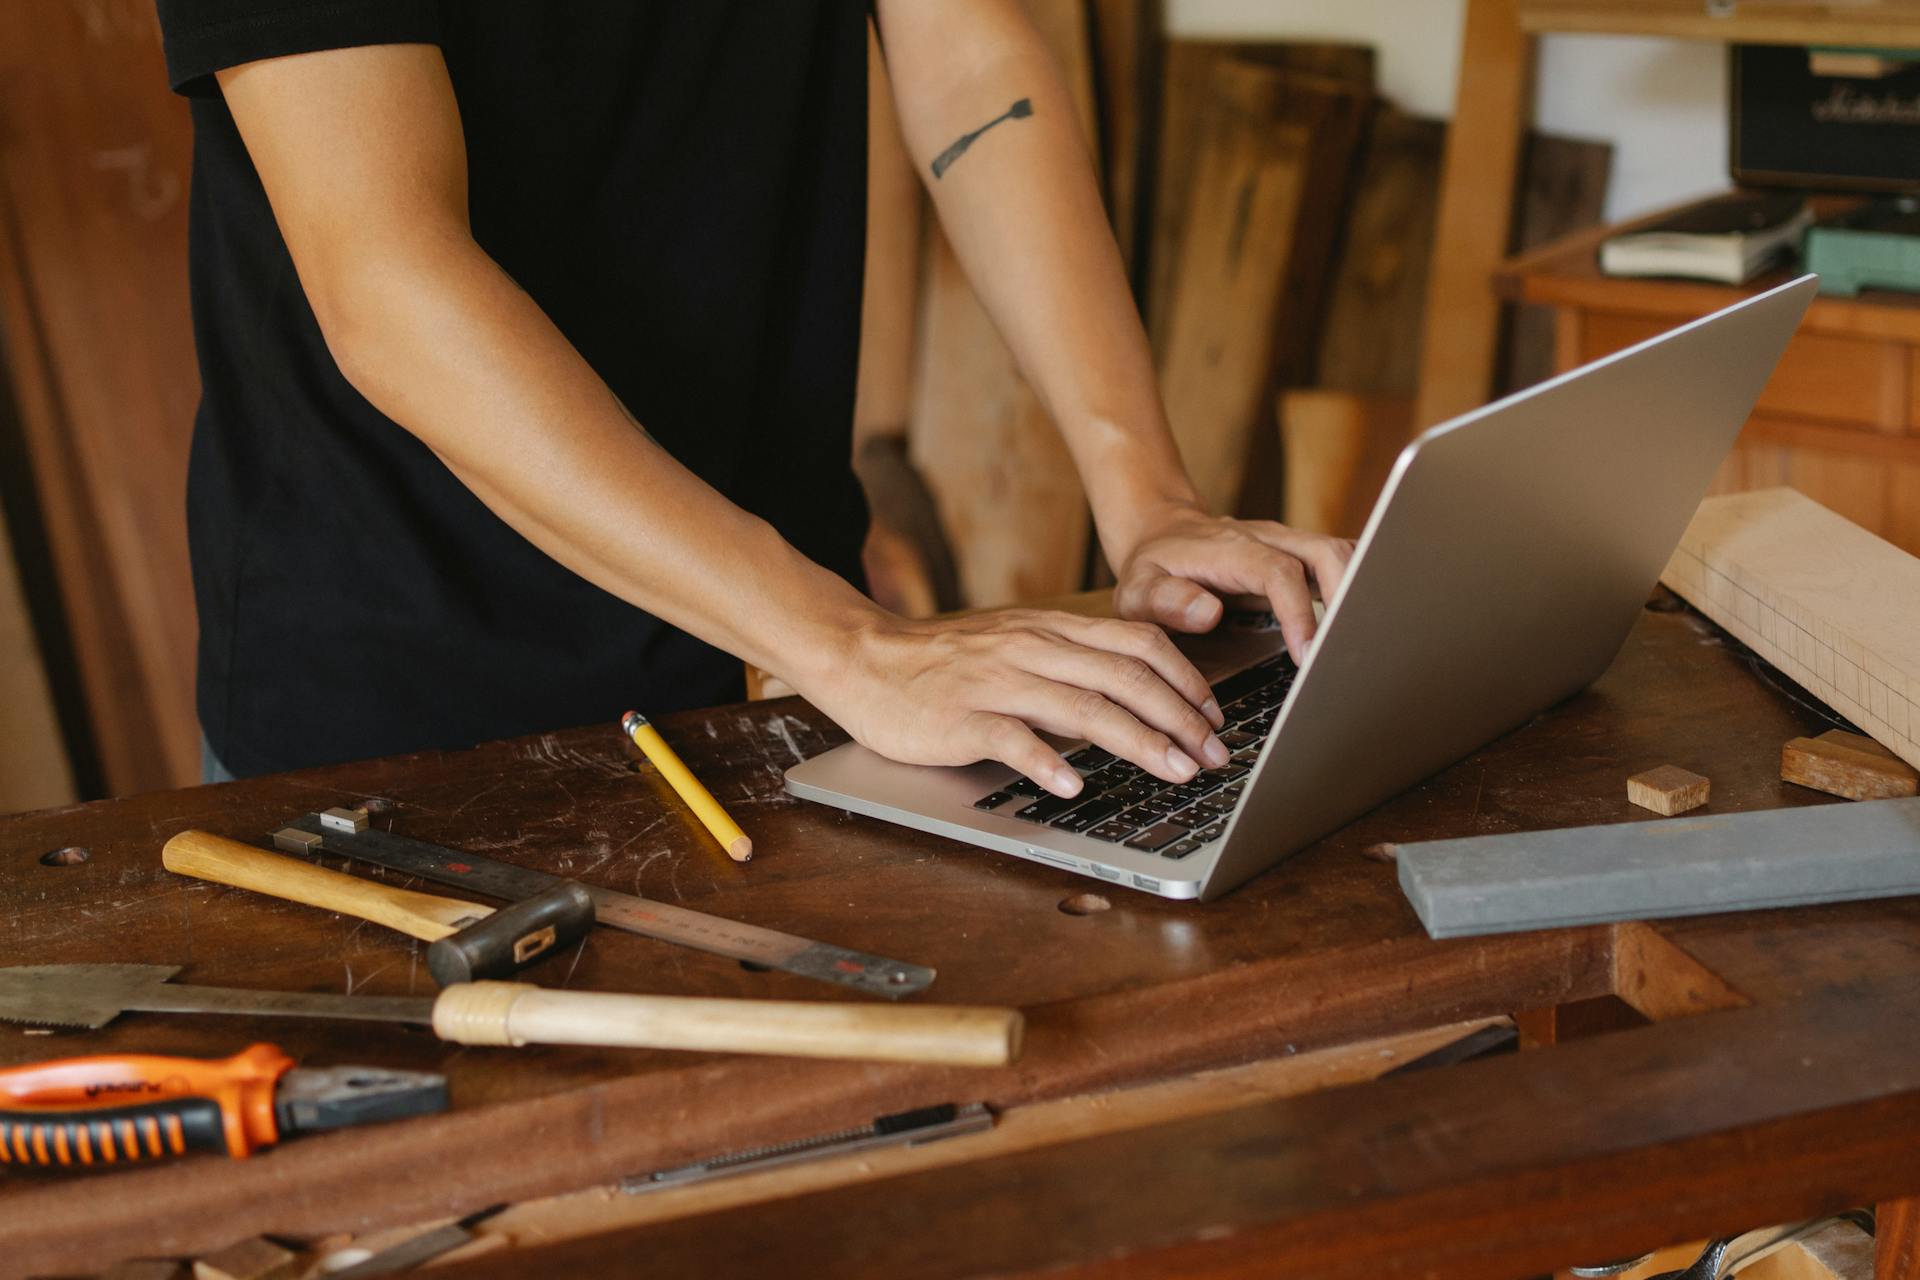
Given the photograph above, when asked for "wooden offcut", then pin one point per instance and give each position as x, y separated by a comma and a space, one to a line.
1188, 69
1836, 609
1460, 344
1668, 789
256, 1259
1339, 448
1846, 764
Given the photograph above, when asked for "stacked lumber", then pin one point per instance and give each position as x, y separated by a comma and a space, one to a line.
1241, 259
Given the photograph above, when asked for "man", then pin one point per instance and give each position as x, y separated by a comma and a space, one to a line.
442, 247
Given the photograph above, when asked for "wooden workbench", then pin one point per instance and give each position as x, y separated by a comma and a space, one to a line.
1781, 1076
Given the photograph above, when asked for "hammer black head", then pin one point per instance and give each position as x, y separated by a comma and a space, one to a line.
498, 944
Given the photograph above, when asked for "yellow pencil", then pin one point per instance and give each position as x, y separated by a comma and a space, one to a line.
681, 778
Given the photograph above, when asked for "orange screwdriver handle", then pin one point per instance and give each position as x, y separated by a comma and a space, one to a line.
79, 1110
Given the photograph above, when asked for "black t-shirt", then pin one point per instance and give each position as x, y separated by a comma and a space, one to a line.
681, 186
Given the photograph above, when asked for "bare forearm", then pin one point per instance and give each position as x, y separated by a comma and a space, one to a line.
436, 336
1020, 205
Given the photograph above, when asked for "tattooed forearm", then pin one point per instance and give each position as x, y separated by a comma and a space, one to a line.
944, 161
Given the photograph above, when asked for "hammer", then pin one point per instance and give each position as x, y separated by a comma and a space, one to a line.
467, 940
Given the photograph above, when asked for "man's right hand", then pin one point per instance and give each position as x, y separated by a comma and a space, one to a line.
955, 691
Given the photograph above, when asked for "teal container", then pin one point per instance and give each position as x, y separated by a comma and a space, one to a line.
1877, 246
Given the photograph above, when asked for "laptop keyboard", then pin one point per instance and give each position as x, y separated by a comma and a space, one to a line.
1123, 804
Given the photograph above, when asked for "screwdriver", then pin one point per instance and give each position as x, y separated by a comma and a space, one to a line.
128, 1108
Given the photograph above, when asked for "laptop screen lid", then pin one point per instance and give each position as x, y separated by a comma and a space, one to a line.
1501, 569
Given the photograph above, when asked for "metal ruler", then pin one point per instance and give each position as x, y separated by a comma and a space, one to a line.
489, 877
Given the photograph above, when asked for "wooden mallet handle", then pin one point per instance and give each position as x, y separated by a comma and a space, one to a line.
420, 915
514, 1013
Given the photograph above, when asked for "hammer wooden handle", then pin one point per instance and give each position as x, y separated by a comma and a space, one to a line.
514, 1013
420, 915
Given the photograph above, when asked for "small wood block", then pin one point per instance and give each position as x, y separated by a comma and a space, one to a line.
255, 1259
1668, 790
1847, 764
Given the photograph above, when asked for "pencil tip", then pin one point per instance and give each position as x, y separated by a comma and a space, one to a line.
741, 850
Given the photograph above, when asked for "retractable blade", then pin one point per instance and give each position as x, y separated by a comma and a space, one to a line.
769, 948
903, 1129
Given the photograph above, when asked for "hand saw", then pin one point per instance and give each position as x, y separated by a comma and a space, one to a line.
513, 1013
345, 832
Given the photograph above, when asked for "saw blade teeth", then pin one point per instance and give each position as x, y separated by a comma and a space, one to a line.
48, 1022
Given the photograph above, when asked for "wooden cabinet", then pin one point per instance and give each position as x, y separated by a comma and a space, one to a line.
1840, 419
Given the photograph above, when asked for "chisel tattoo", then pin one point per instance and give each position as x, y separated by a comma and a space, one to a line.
944, 161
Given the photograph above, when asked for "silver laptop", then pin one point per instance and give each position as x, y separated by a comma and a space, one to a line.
1499, 573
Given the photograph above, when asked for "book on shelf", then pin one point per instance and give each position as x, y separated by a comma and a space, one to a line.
1729, 239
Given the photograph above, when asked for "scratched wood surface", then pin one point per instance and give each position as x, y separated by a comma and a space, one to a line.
1321, 950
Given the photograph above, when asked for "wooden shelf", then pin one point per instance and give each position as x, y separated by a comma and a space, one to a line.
1839, 419
1567, 274
1885, 24
1496, 67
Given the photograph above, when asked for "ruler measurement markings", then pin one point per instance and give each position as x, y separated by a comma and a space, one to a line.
662, 921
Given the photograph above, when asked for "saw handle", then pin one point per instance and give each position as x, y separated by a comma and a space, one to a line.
514, 1013
419, 915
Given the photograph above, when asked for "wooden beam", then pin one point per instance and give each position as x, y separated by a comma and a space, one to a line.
1661, 979
1461, 336
1026, 1128
1876, 22
1443, 1175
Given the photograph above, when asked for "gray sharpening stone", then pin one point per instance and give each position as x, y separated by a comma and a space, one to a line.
1670, 867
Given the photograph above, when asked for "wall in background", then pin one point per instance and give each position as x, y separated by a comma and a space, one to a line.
1662, 103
